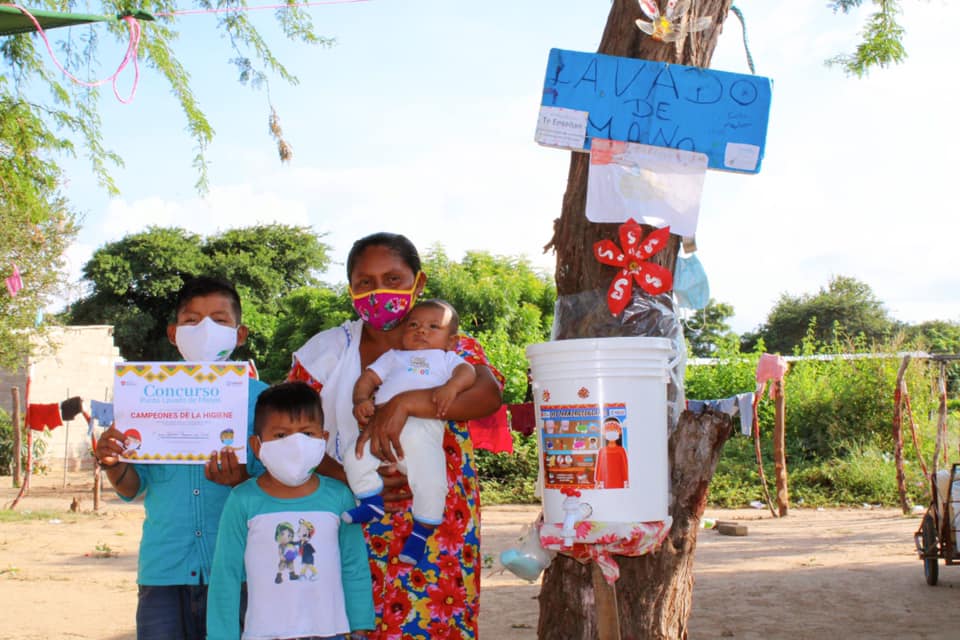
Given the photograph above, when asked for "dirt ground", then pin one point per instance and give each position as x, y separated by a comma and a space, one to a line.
814, 574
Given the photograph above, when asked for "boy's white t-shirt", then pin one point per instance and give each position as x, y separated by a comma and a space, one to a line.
401, 370
284, 607
260, 537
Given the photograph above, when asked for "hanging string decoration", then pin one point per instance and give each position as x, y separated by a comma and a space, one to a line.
632, 258
16, 19
14, 282
130, 56
283, 147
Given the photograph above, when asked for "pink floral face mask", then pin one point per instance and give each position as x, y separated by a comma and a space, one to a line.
384, 309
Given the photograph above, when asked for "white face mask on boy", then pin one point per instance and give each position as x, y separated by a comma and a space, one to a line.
206, 341
292, 459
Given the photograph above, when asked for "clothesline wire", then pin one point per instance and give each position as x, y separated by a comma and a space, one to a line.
922, 355
187, 12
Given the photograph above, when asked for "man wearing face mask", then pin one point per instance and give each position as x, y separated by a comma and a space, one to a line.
183, 502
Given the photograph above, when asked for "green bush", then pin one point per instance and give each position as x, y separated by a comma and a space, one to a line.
509, 478
839, 416
6, 448
6, 444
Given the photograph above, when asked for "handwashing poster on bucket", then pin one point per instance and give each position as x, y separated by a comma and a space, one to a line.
584, 446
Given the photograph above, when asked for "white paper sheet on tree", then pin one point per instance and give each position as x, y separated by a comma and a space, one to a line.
653, 185
180, 412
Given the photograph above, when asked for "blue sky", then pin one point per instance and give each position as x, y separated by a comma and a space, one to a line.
421, 119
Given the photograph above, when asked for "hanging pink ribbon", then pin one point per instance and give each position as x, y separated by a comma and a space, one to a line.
130, 55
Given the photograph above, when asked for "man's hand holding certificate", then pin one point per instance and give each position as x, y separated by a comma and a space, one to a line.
178, 412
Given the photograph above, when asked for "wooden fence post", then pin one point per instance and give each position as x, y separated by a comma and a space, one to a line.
898, 435
779, 446
17, 429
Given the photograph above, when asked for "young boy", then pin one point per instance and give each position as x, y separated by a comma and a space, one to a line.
307, 573
426, 361
183, 502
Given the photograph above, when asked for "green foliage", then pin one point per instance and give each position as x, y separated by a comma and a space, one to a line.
135, 280
36, 226
839, 416
509, 478
882, 39
267, 262
510, 359
493, 293
846, 308
707, 328
72, 110
734, 373
938, 336
831, 404
34, 515
862, 476
6, 448
303, 313
502, 301
6, 444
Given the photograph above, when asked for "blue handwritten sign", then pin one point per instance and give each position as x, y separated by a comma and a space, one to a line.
720, 114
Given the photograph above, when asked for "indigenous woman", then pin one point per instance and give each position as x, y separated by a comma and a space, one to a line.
439, 596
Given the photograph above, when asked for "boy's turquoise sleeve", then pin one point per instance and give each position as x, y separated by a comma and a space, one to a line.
355, 572
254, 467
223, 595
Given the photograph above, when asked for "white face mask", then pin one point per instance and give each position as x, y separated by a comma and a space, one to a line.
291, 460
206, 341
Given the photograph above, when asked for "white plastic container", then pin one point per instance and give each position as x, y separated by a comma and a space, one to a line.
586, 392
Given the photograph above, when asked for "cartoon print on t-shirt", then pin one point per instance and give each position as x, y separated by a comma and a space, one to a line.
288, 551
304, 532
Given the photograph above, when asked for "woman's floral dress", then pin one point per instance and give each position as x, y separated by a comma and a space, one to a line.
438, 598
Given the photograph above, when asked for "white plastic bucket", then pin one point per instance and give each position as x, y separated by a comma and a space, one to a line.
583, 392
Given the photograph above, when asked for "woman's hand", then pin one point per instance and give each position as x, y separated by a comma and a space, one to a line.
384, 427
395, 488
383, 430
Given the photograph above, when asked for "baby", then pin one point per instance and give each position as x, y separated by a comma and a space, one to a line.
425, 362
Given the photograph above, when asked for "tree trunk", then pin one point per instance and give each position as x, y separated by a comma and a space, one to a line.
654, 592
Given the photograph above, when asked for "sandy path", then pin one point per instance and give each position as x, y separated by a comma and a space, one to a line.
814, 574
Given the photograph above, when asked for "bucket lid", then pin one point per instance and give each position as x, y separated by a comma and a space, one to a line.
586, 345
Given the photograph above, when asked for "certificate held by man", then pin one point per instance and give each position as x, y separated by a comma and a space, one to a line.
178, 412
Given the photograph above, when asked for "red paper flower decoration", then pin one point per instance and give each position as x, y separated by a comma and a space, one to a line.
632, 260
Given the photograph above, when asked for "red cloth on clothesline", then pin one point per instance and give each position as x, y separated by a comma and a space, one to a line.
492, 433
43, 415
522, 418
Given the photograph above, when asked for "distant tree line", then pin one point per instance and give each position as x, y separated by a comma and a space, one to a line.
503, 301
